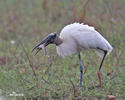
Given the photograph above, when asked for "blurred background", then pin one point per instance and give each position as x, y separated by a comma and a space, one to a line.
23, 23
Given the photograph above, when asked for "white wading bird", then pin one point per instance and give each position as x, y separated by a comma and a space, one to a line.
73, 39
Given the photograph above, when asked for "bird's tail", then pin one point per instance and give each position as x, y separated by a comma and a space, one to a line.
100, 53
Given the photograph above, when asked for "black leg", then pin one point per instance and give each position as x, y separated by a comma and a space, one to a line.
81, 69
105, 52
98, 72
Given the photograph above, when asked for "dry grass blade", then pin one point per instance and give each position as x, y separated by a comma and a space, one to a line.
30, 63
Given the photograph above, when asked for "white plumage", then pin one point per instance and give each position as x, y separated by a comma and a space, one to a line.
79, 36
73, 39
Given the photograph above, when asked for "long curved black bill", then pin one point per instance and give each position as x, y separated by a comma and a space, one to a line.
44, 41
37, 51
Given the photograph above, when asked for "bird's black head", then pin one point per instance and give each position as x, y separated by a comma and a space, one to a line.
50, 39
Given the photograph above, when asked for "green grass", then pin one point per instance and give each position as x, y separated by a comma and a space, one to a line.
28, 21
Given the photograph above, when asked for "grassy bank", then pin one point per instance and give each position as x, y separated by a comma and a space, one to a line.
23, 23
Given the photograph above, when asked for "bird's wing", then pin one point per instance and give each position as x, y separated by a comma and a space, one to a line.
86, 37
91, 39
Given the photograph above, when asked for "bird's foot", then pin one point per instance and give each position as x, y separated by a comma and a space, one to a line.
98, 85
111, 97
